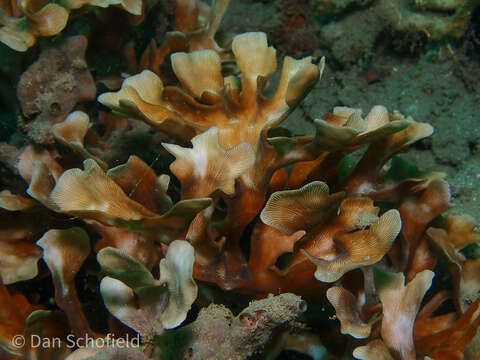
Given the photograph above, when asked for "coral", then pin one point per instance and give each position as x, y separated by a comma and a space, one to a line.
195, 26
22, 23
19, 316
245, 211
21, 32
140, 92
64, 252
133, 296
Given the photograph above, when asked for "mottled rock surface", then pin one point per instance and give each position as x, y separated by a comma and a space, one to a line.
52, 86
218, 334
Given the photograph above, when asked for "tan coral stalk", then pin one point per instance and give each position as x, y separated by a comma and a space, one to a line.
65, 251
387, 141
401, 303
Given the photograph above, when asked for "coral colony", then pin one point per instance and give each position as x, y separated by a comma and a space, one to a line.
333, 219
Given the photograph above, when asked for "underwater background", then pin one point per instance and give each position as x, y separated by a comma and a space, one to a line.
178, 207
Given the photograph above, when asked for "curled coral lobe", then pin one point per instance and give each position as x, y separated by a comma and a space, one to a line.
200, 73
140, 301
208, 166
19, 255
41, 184
73, 129
384, 142
19, 261
360, 248
12, 202
346, 127
121, 302
96, 196
176, 271
145, 86
461, 230
142, 185
348, 309
21, 33
375, 349
301, 209
255, 59
71, 133
334, 238
118, 264
141, 97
